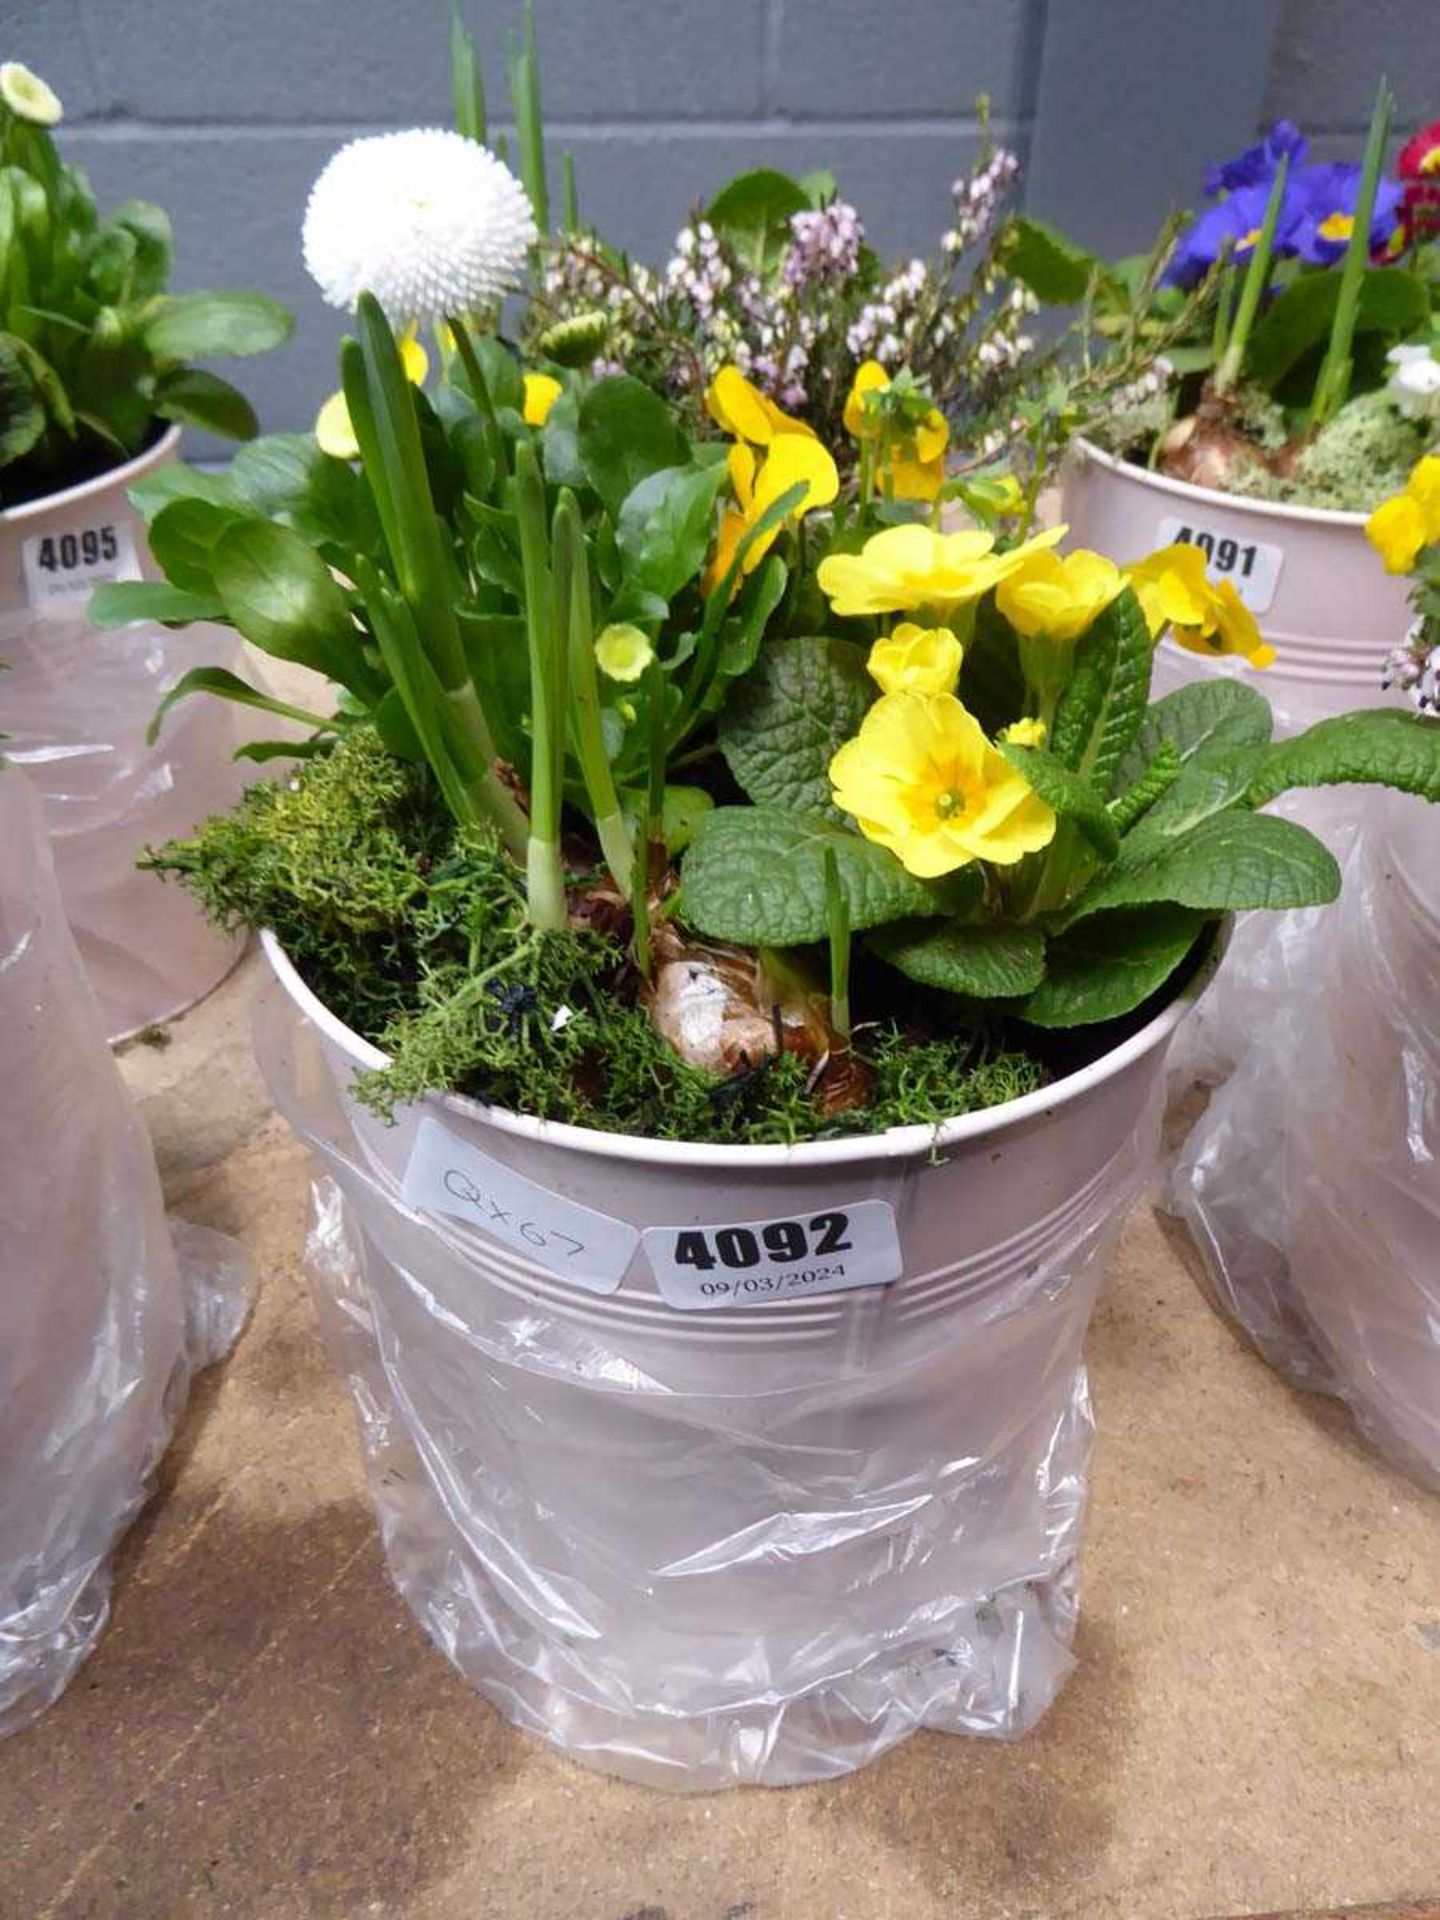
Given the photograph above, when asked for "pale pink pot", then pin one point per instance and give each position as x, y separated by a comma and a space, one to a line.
1316, 586
75, 704
755, 1544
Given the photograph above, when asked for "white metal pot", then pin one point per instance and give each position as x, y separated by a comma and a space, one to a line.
701, 1517
1314, 583
75, 705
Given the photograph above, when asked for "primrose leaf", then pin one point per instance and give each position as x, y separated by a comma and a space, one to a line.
626, 433
664, 527
757, 875
197, 326
785, 721
1391, 301
1206, 786
177, 481
183, 537
1231, 860
1068, 795
201, 399
1200, 719
1379, 746
1101, 710
286, 477
985, 962
1111, 965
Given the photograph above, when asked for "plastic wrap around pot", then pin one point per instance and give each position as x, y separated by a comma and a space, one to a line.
760, 1543
1312, 1182
101, 1315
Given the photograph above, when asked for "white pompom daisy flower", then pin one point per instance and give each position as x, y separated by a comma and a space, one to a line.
429, 222
27, 95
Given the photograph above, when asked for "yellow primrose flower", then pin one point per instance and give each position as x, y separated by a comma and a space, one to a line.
914, 471
334, 429
737, 405
793, 457
901, 569
1174, 590
1058, 595
541, 393
921, 779
1025, 733
623, 652
1400, 526
916, 660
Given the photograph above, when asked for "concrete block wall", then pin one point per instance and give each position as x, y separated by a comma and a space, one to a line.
224, 111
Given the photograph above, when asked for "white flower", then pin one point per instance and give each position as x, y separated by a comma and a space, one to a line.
428, 221
27, 95
1415, 384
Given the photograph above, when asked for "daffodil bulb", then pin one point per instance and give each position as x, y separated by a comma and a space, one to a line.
429, 222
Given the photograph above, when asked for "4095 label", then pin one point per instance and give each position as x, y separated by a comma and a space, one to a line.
754, 1261
65, 566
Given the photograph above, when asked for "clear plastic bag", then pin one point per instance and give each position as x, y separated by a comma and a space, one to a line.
75, 706
1312, 1181
695, 1555
102, 1317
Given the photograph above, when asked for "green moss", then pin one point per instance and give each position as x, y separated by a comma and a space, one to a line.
1356, 460
418, 938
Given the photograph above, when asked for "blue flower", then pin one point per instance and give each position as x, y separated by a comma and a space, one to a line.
1238, 219
1256, 165
1328, 196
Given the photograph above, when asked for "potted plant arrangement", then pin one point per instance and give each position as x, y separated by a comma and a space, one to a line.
96, 378
1300, 396
1312, 1183
728, 930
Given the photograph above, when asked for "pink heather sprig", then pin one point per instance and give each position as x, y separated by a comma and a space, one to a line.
1414, 668
826, 247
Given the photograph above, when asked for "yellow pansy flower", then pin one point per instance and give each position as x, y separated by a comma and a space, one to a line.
1057, 596
1025, 733
902, 569
1174, 590
541, 393
916, 660
1400, 526
921, 779
333, 427
914, 470
741, 409
622, 651
757, 485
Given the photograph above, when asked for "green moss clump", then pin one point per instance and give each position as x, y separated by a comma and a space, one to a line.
417, 937
1356, 460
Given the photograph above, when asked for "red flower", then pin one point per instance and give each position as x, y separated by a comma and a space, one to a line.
1419, 168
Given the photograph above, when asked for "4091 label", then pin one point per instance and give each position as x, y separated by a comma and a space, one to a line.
750, 1262
1251, 566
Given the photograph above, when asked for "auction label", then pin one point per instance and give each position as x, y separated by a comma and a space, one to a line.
753, 1261
1252, 568
63, 569
446, 1175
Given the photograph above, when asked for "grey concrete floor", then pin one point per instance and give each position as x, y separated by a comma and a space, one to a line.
1254, 1725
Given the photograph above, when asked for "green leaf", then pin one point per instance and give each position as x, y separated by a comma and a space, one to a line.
150, 227
183, 537
1111, 965
560, 443
1392, 302
787, 718
757, 875
280, 594
229, 686
286, 477
22, 418
985, 962
626, 433
1232, 860
1101, 710
1068, 795
1198, 720
200, 399
195, 326
753, 214
121, 601
664, 527
1378, 746
992, 684
48, 383
177, 481
1206, 786
1055, 269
